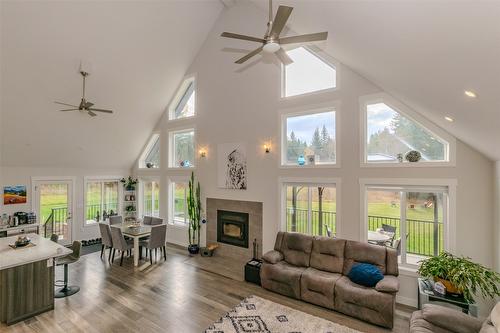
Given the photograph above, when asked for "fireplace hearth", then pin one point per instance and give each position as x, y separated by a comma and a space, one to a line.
232, 228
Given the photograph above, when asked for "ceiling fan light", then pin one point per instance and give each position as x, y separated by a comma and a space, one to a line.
271, 47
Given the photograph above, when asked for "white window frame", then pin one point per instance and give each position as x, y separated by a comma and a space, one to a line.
142, 160
449, 212
283, 182
171, 200
399, 107
323, 56
304, 111
181, 90
102, 179
171, 147
142, 181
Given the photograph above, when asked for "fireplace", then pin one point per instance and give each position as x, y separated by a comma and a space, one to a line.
232, 228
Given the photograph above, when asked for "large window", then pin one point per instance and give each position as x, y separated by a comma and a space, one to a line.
309, 138
182, 148
409, 219
307, 73
184, 103
178, 209
150, 198
310, 208
101, 200
390, 135
150, 158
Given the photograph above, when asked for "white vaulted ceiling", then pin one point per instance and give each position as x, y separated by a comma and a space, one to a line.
425, 53
138, 51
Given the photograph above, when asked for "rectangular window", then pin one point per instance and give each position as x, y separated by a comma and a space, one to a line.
178, 205
101, 200
182, 149
309, 139
150, 196
311, 208
409, 219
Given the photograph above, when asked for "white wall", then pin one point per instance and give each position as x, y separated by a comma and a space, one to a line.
497, 216
241, 104
22, 176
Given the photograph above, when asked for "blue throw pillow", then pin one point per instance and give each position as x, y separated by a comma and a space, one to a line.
366, 275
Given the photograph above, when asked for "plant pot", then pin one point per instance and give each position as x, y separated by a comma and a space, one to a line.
193, 249
450, 288
129, 188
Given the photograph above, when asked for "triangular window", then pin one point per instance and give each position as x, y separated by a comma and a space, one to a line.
390, 135
150, 158
308, 73
184, 103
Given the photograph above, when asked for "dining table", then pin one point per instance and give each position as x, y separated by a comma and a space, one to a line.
379, 238
136, 232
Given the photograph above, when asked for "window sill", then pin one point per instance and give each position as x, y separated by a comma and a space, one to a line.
406, 270
315, 166
182, 168
407, 165
89, 224
178, 225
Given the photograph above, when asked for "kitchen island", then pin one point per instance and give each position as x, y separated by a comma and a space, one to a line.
27, 277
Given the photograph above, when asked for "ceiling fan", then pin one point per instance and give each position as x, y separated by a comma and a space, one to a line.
84, 106
271, 43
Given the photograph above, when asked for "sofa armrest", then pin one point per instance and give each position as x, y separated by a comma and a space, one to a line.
273, 257
450, 319
389, 284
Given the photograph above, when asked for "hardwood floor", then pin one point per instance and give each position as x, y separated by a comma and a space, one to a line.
171, 296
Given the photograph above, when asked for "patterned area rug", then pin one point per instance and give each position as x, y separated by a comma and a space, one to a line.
257, 315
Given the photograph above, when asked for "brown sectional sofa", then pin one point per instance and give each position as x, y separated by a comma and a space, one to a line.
314, 269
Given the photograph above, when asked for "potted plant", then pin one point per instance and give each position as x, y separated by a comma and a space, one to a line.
129, 183
194, 211
461, 276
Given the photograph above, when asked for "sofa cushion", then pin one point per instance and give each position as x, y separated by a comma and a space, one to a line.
488, 328
273, 257
297, 248
389, 284
328, 254
317, 287
366, 275
495, 317
419, 325
363, 296
282, 278
450, 319
358, 252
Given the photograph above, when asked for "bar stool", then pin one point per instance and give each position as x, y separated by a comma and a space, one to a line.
66, 290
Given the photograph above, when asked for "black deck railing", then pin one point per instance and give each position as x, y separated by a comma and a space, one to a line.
424, 237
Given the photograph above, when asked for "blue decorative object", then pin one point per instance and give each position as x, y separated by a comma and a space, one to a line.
366, 275
301, 160
187, 164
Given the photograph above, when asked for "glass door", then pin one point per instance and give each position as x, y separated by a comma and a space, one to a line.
53, 204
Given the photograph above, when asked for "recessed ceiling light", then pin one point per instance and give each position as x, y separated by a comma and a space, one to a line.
450, 119
470, 94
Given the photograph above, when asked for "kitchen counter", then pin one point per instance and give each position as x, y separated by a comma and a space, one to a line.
27, 277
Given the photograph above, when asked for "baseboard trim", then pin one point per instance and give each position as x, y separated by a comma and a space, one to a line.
406, 301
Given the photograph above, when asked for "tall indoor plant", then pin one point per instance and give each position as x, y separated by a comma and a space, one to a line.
194, 211
461, 276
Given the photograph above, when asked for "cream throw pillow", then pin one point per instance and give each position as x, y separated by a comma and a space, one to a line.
495, 317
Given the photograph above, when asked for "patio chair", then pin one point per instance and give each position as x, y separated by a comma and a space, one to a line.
329, 232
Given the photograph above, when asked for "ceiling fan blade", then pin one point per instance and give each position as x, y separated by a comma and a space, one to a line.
92, 114
280, 19
75, 106
248, 56
69, 110
88, 105
243, 37
304, 38
283, 57
99, 110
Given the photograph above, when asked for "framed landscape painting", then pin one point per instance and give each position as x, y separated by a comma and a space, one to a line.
14, 194
232, 166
